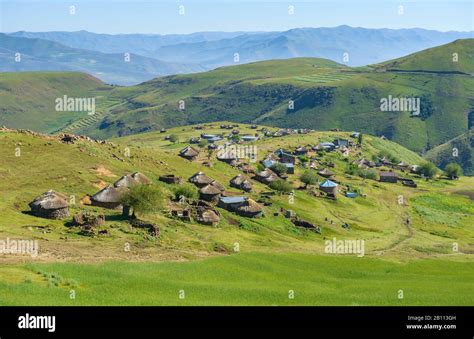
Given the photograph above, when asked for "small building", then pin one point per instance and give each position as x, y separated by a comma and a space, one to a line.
109, 197
133, 179
248, 138
327, 146
301, 150
241, 182
227, 156
285, 157
328, 187
341, 142
170, 179
326, 173
207, 216
50, 205
388, 176
210, 192
200, 179
355, 134
266, 176
189, 153
241, 205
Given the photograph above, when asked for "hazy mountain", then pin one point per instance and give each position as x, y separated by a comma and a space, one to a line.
45, 55
213, 49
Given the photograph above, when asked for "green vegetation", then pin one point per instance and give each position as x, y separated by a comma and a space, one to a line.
248, 279
309, 178
281, 185
143, 199
187, 191
453, 170
279, 169
428, 169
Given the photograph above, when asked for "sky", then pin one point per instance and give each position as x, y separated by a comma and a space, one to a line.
164, 17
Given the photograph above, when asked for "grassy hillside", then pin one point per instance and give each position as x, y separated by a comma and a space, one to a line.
399, 256
325, 95
243, 279
453, 57
28, 99
459, 150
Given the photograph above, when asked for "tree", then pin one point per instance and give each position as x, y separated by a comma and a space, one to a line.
309, 178
428, 169
281, 186
174, 138
202, 143
453, 170
142, 199
359, 139
187, 191
279, 169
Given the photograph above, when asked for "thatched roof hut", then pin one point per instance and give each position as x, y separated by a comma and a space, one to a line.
200, 179
207, 216
189, 153
130, 180
326, 173
51, 205
170, 179
250, 209
210, 192
242, 182
109, 197
266, 176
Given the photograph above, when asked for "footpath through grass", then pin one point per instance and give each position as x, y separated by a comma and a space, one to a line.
242, 279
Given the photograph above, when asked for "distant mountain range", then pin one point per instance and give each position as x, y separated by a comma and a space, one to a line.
102, 55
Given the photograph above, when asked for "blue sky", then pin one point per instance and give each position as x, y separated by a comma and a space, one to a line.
162, 16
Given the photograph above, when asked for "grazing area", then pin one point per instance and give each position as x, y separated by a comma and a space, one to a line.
131, 214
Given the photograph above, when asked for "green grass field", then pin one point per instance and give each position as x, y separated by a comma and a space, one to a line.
243, 279
275, 255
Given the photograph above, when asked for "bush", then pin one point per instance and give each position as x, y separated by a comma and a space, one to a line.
309, 178
428, 169
281, 186
143, 199
174, 138
367, 173
279, 169
453, 170
202, 143
188, 191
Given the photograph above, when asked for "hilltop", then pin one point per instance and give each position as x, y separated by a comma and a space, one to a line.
455, 57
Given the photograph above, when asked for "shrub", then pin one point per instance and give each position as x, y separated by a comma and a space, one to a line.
428, 169
453, 170
174, 138
143, 199
309, 178
279, 169
188, 191
367, 173
202, 143
281, 186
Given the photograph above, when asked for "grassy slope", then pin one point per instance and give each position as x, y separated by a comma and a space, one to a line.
437, 59
28, 99
326, 95
245, 279
439, 218
443, 154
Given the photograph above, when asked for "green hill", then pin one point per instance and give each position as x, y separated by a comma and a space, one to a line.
325, 95
28, 99
459, 150
453, 57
